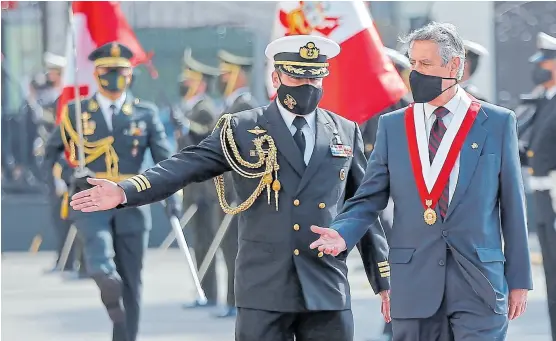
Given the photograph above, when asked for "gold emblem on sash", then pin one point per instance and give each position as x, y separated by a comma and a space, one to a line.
430, 214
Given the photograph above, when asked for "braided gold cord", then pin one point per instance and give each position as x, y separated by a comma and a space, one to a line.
270, 163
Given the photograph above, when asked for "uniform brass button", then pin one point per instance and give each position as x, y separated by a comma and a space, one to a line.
530, 171
369, 147
296, 227
320, 254
441, 262
322, 205
135, 142
296, 252
296, 202
530, 153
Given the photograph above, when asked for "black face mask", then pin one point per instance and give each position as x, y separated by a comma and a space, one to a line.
113, 81
541, 75
426, 88
300, 100
183, 90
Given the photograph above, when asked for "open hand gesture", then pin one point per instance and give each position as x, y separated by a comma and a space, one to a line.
105, 195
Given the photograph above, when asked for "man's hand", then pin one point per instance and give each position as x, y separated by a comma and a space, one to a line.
330, 241
103, 196
385, 306
517, 303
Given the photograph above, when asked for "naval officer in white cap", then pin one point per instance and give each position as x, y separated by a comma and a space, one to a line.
293, 165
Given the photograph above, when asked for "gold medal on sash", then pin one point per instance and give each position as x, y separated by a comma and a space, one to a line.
430, 214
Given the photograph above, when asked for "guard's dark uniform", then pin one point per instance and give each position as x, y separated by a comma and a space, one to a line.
238, 99
283, 288
115, 241
193, 125
542, 161
473, 53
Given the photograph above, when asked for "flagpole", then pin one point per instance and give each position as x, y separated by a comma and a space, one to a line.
78, 122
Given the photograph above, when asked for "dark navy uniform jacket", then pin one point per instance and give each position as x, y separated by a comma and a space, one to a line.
275, 268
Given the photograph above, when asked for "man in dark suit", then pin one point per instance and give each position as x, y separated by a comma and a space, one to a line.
235, 69
459, 256
293, 165
542, 161
118, 129
193, 123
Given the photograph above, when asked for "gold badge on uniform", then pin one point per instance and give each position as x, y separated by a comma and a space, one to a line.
127, 109
474, 145
93, 105
257, 131
134, 150
343, 174
88, 126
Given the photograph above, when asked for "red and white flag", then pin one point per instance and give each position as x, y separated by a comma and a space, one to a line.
362, 81
94, 24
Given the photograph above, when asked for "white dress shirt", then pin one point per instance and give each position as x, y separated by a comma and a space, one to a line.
105, 103
309, 130
457, 106
550, 92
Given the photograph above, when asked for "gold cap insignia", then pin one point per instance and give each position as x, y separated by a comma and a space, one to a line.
290, 102
474, 145
115, 50
309, 51
257, 131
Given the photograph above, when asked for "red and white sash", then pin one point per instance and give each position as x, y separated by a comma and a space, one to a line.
431, 179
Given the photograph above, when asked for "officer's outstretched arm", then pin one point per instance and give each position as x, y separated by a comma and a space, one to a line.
192, 164
372, 246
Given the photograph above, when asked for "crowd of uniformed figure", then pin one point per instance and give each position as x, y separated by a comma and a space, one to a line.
194, 117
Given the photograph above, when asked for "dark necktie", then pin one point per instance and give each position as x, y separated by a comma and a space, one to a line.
113, 109
298, 137
113, 116
437, 133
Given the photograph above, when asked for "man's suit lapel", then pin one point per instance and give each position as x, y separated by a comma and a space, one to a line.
282, 136
469, 159
322, 146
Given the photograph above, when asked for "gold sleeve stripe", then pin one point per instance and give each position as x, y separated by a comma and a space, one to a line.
385, 274
145, 180
133, 181
385, 263
140, 182
384, 269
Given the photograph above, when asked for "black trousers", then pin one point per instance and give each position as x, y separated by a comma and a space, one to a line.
229, 248
547, 239
263, 325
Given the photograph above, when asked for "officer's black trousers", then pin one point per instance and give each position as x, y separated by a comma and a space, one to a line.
546, 233
259, 325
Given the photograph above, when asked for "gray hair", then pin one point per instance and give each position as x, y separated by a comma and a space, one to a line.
445, 35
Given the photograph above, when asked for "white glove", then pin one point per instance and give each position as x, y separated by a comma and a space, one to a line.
60, 187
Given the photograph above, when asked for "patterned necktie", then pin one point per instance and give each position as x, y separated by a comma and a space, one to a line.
299, 122
437, 133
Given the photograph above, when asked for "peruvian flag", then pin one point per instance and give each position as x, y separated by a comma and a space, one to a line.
94, 23
362, 81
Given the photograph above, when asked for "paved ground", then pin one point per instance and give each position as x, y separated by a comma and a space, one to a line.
46, 307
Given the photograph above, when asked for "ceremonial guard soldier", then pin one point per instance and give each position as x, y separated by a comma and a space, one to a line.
193, 125
117, 129
293, 164
542, 161
235, 69
473, 54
